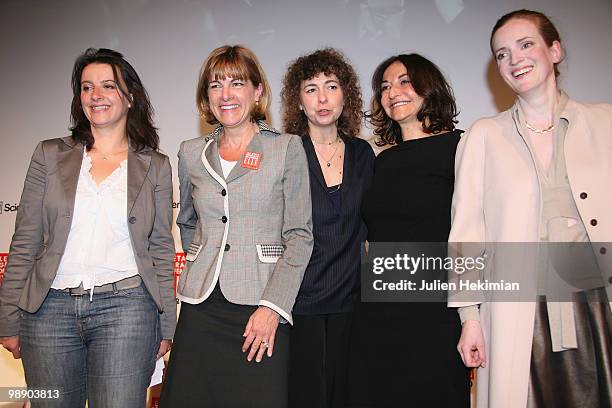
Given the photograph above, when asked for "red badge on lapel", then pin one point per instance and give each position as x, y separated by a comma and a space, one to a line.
251, 160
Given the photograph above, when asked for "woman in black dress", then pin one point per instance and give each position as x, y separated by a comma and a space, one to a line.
322, 103
405, 352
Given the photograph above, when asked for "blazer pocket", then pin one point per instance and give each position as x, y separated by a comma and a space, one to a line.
193, 251
269, 253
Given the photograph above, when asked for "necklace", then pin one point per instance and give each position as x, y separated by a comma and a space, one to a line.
107, 156
320, 155
540, 131
325, 143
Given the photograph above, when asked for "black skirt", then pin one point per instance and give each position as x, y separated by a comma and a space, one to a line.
579, 377
207, 367
405, 355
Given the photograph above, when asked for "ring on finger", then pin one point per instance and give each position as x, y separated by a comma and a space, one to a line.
264, 344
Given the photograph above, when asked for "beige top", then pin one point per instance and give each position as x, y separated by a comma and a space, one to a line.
560, 220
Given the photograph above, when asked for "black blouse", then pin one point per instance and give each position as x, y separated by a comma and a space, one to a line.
331, 280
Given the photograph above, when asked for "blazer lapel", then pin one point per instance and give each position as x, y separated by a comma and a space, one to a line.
138, 167
313, 162
211, 155
239, 171
69, 163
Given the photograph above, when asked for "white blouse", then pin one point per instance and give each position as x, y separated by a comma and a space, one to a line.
99, 249
226, 166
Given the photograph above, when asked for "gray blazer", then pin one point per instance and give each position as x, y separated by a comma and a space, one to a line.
252, 232
44, 218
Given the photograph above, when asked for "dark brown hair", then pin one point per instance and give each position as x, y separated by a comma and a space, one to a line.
327, 61
438, 112
545, 27
236, 62
140, 130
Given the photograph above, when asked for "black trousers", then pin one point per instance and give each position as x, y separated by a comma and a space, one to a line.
207, 367
318, 360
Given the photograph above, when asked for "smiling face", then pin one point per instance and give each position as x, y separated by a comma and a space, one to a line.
231, 100
322, 100
398, 98
104, 105
524, 60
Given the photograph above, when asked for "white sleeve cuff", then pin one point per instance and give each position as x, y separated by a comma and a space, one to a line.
285, 317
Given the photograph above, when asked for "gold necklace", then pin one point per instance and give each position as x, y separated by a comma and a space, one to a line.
320, 155
324, 143
107, 156
540, 131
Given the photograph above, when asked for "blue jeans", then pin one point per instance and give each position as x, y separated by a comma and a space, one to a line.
103, 351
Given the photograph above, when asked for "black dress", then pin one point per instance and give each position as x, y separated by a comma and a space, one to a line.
404, 354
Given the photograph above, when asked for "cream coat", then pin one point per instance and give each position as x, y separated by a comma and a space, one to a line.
497, 199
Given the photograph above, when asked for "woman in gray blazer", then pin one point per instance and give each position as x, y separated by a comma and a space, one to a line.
246, 227
87, 298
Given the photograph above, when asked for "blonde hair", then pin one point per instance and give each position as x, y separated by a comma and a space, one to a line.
236, 62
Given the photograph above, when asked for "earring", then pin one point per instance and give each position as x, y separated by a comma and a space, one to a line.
129, 105
256, 103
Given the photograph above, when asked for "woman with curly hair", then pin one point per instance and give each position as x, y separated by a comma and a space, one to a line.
322, 103
408, 349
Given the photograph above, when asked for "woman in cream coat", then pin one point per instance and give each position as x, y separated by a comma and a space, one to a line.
499, 195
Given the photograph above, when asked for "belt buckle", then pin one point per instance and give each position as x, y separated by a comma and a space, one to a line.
73, 291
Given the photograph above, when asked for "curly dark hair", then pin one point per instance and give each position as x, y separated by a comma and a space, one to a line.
140, 130
438, 112
327, 61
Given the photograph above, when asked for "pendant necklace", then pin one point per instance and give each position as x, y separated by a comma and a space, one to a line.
328, 161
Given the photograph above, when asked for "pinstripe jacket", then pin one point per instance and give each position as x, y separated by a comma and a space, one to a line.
251, 231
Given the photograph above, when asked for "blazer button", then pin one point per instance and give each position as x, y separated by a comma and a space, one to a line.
224, 219
223, 192
132, 220
227, 247
583, 195
593, 222
603, 250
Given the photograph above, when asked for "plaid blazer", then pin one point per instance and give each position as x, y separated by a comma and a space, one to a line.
251, 231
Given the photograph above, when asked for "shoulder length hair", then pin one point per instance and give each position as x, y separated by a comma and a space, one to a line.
140, 130
236, 62
325, 61
438, 112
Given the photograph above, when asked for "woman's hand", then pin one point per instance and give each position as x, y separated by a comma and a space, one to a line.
260, 332
164, 347
471, 345
12, 345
